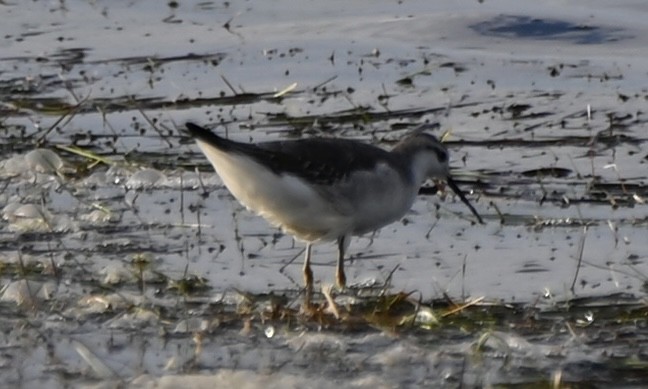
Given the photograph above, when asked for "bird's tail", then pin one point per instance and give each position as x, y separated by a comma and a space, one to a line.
203, 134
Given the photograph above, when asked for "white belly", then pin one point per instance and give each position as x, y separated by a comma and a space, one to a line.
284, 200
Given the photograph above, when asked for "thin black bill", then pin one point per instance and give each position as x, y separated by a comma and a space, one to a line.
455, 188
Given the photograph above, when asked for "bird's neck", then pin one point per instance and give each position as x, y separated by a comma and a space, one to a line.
414, 167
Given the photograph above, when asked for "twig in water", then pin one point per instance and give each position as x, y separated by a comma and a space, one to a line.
497, 210
281, 269
152, 124
581, 247
388, 279
321, 84
229, 85
463, 278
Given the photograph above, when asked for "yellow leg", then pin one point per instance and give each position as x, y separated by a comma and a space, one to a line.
308, 278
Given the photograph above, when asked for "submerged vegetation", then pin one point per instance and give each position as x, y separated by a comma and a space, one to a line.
122, 257
49, 269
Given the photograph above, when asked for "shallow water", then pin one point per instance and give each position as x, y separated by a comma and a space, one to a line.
545, 107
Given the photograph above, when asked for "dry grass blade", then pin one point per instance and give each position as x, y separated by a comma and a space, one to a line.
463, 307
332, 307
86, 154
286, 90
98, 366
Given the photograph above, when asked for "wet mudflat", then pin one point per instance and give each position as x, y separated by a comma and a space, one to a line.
125, 261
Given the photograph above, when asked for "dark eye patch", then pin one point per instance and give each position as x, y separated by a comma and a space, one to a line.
442, 155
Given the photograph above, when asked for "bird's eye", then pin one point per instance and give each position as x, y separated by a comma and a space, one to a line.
442, 155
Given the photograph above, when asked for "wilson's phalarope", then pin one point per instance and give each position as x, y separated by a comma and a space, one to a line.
327, 189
